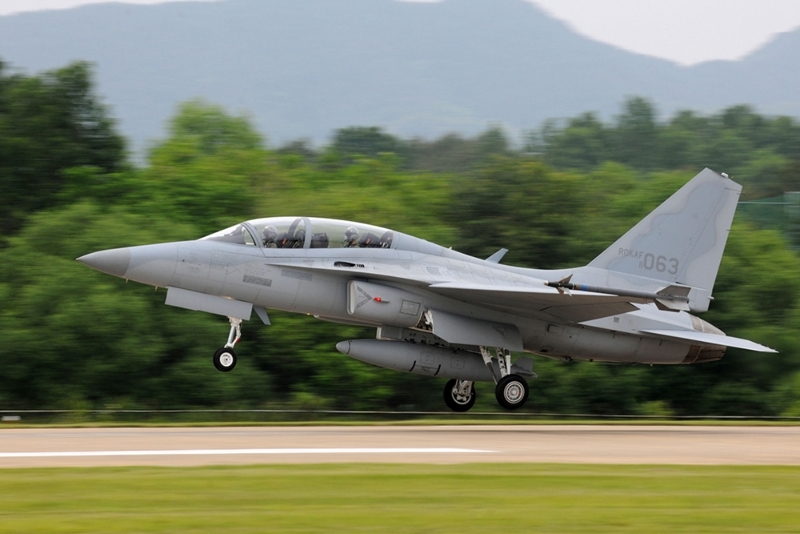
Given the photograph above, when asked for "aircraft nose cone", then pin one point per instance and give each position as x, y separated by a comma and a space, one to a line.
343, 347
114, 262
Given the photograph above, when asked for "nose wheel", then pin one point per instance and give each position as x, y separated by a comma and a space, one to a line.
225, 358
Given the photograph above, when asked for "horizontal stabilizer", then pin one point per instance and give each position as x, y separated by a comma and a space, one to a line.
706, 338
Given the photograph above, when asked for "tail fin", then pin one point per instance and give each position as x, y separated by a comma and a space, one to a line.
680, 242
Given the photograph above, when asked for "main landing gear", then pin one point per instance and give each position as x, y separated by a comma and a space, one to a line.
459, 395
225, 358
511, 391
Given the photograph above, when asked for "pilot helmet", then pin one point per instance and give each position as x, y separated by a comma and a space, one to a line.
269, 233
350, 236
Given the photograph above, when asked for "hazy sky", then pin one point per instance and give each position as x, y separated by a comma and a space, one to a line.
684, 31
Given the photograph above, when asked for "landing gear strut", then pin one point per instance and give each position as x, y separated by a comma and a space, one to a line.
225, 358
459, 395
511, 390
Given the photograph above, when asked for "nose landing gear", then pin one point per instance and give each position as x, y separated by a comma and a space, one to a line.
225, 358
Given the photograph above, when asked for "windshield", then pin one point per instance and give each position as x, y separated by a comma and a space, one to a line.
238, 235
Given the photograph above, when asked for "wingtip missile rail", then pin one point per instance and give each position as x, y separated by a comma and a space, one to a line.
673, 293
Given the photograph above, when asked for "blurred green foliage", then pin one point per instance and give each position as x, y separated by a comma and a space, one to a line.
71, 337
48, 124
760, 152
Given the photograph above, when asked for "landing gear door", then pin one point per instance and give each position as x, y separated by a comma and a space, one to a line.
192, 300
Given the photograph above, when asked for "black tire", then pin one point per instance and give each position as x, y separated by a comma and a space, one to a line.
456, 403
225, 360
511, 392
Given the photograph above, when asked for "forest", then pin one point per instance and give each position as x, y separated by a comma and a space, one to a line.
73, 338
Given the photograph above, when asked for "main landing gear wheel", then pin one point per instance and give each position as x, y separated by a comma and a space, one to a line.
511, 391
459, 395
224, 359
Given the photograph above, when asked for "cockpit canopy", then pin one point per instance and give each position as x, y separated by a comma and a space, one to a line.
305, 232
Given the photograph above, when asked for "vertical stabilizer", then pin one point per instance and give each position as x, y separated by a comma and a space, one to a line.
681, 241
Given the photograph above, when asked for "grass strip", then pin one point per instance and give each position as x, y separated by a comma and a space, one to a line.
408, 498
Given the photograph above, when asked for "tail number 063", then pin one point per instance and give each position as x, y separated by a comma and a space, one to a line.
661, 264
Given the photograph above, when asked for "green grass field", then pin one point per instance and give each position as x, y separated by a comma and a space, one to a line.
402, 498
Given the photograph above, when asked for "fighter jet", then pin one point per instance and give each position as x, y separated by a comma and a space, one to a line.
441, 313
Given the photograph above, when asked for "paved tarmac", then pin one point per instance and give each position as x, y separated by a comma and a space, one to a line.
591, 444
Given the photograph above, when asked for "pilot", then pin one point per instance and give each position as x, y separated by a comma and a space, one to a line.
350, 237
268, 234
299, 239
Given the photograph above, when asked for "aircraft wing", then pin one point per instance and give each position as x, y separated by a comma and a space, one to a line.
575, 307
541, 302
711, 339
355, 269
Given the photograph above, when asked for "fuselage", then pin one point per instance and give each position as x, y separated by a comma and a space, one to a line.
315, 281
442, 313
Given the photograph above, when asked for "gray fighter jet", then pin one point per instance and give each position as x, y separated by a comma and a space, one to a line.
442, 313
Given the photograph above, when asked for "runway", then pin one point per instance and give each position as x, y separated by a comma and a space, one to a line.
590, 444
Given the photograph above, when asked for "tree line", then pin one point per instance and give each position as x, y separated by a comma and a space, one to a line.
73, 338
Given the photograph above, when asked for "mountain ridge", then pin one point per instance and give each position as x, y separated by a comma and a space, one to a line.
306, 68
